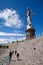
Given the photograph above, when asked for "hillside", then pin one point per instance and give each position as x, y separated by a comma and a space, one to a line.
30, 51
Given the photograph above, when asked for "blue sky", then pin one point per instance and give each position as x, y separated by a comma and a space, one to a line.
13, 20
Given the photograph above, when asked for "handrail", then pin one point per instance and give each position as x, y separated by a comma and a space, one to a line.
4, 59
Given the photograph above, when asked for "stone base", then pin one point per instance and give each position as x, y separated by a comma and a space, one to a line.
30, 34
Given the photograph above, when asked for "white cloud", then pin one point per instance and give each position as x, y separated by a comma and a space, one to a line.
42, 33
2, 40
10, 34
12, 37
23, 38
11, 18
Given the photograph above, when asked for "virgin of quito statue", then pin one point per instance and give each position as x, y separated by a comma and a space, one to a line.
30, 31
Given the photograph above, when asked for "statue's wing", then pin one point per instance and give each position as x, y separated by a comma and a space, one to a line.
32, 12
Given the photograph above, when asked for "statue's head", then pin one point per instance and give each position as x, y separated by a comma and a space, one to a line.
28, 8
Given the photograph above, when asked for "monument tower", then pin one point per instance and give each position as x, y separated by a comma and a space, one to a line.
30, 31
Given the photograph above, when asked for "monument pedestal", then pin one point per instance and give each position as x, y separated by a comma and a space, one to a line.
30, 34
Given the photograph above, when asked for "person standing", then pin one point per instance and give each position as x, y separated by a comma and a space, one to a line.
17, 56
10, 55
15, 52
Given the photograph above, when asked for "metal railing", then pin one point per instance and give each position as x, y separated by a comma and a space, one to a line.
3, 60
